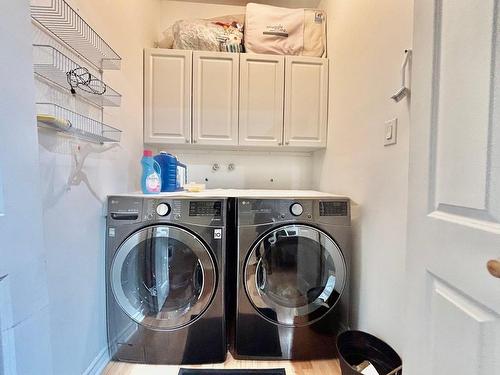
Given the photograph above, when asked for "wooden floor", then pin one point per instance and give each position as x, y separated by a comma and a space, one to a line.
319, 367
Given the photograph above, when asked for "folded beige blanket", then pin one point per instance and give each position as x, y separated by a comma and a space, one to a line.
284, 31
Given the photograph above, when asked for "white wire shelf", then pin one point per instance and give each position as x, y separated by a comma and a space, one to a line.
52, 65
53, 116
65, 23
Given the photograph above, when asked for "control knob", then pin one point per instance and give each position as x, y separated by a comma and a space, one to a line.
163, 209
296, 209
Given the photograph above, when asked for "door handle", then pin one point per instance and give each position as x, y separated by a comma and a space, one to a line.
260, 276
494, 267
198, 277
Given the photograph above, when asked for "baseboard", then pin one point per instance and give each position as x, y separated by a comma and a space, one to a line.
97, 366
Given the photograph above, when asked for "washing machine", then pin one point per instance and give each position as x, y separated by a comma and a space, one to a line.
165, 264
292, 277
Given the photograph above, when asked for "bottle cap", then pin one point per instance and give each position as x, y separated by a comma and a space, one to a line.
148, 153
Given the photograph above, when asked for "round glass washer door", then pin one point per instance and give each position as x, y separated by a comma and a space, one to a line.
294, 275
163, 277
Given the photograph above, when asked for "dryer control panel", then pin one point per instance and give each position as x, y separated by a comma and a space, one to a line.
335, 211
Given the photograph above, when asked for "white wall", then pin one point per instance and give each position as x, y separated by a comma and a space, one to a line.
366, 43
24, 301
254, 169
172, 10
73, 221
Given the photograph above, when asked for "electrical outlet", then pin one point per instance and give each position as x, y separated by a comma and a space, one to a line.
391, 132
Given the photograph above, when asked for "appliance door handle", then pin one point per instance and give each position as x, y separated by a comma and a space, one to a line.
198, 277
260, 276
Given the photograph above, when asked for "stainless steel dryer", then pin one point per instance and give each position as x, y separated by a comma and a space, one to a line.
164, 275
292, 279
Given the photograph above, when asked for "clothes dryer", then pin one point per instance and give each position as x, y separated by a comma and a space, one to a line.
292, 279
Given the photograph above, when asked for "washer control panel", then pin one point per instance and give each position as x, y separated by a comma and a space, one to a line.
196, 211
124, 210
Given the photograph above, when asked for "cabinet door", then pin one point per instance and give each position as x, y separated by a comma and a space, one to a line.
306, 101
262, 79
215, 98
167, 96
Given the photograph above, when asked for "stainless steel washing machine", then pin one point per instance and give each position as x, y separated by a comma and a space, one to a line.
292, 277
165, 264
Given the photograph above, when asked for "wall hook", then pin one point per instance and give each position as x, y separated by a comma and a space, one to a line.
403, 91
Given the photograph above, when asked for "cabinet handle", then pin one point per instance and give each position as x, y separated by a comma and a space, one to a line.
280, 144
187, 140
287, 143
195, 141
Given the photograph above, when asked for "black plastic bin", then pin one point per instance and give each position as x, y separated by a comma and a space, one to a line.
354, 347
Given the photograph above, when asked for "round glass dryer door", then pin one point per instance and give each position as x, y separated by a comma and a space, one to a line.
163, 277
294, 275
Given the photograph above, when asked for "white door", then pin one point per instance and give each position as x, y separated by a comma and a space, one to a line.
262, 80
454, 197
215, 98
167, 96
306, 101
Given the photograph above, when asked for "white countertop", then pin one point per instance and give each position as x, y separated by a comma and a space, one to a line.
240, 193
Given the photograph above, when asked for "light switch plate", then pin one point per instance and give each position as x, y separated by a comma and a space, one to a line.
391, 132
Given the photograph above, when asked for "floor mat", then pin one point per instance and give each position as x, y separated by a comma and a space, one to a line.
276, 371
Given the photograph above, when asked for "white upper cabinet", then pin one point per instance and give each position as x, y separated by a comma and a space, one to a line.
261, 100
230, 99
306, 101
215, 98
167, 96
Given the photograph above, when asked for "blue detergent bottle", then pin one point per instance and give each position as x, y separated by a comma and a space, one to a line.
168, 166
151, 174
